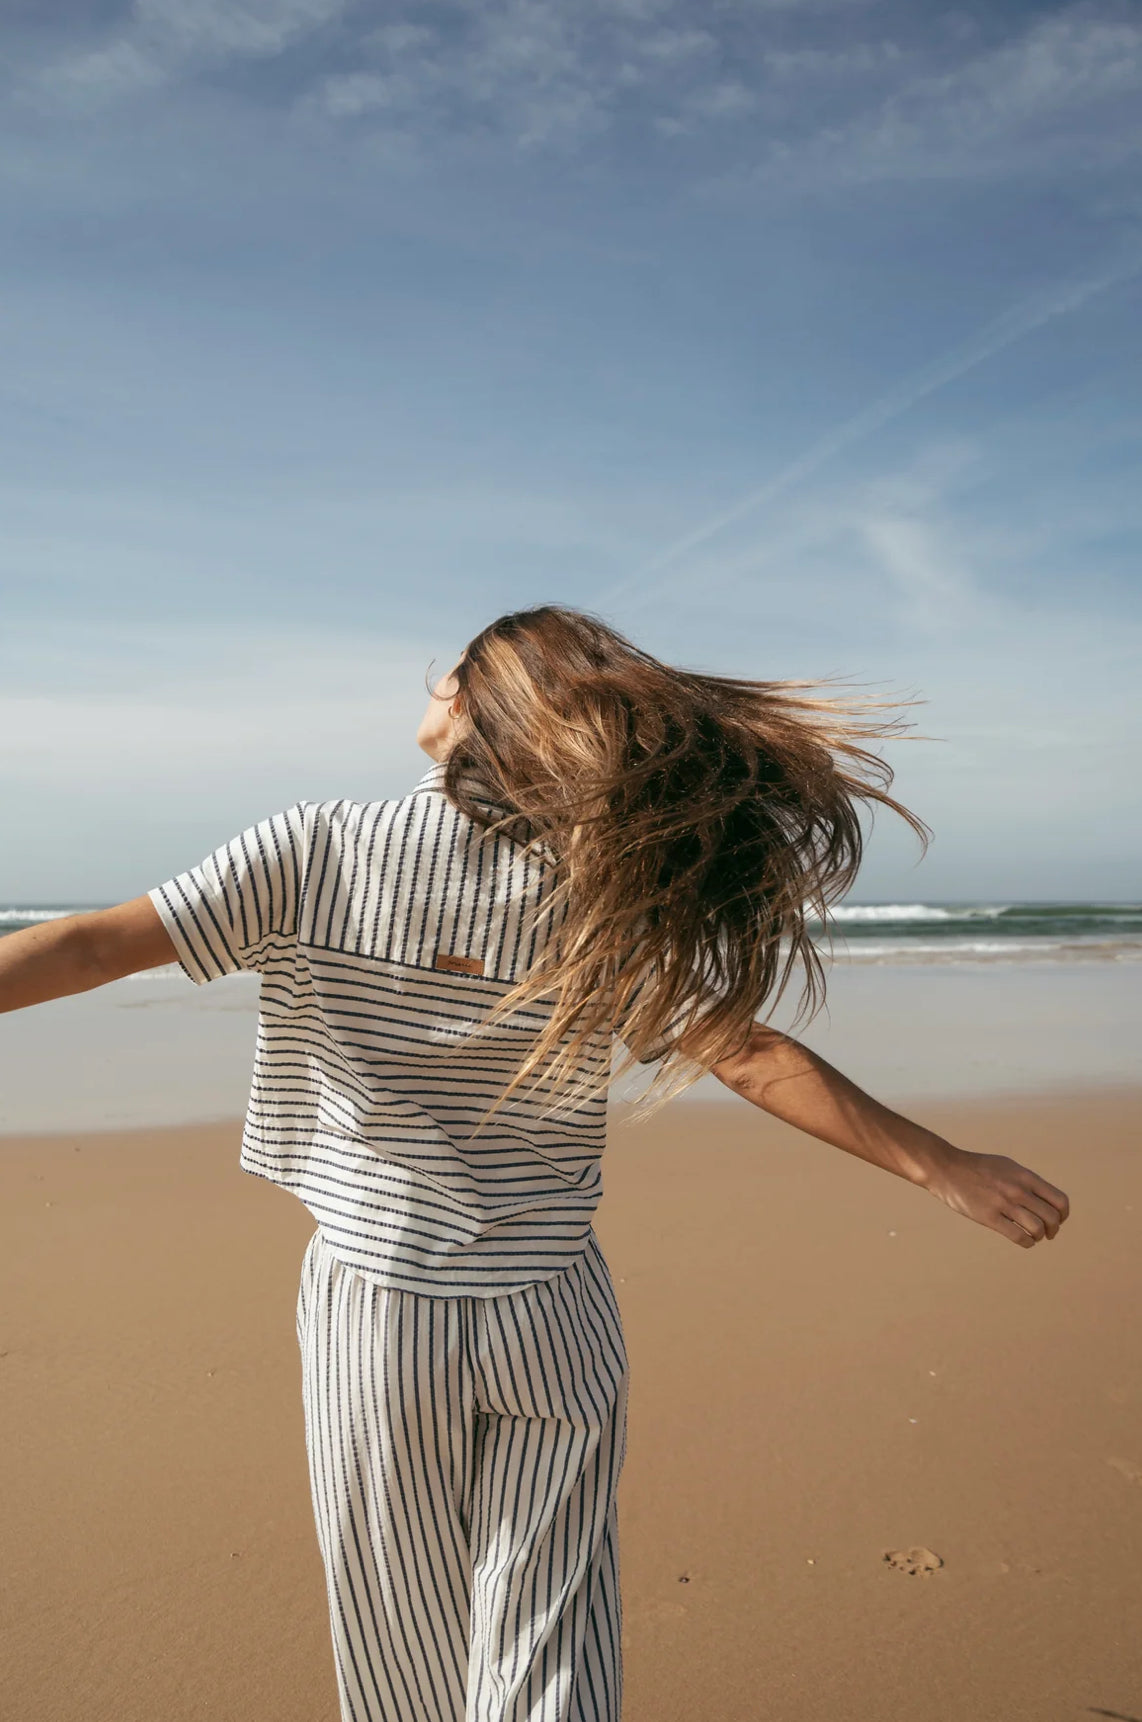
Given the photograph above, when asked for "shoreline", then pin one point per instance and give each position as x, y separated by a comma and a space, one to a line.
149, 1052
1070, 1094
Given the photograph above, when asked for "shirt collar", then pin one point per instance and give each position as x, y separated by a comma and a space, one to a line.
433, 780
433, 777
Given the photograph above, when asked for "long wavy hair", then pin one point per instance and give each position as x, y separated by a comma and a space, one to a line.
696, 825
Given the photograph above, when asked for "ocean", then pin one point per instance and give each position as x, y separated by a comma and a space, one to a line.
924, 1000
987, 932
927, 933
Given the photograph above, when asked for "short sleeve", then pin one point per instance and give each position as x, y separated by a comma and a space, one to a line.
673, 1027
692, 1011
226, 914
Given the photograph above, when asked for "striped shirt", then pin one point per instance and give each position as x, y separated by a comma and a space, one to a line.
383, 933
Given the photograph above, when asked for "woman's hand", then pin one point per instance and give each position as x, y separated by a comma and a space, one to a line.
997, 1192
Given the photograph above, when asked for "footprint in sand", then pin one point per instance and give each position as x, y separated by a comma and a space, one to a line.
1132, 1473
917, 1562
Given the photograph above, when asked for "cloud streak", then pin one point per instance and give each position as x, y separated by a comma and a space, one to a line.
994, 338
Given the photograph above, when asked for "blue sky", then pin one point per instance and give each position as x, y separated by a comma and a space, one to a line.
798, 337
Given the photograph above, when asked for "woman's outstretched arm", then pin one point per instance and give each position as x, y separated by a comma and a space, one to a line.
79, 952
786, 1079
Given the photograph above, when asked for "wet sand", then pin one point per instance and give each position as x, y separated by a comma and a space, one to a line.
155, 1050
827, 1366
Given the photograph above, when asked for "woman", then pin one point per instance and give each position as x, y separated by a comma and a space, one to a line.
603, 844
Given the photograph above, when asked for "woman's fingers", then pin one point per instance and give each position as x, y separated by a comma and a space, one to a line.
1006, 1197
1046, 1212
1049, 1193
1029, 1222
1013, 1230
1042, 1206
1035, 1216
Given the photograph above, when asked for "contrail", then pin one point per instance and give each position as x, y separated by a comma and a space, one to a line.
1003, 332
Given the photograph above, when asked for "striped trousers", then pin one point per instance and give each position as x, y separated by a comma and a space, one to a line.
464, 1455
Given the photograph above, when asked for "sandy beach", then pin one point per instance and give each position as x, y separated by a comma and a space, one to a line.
827, 1366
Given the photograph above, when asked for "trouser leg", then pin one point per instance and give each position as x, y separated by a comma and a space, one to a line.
387, 1391
551, 1388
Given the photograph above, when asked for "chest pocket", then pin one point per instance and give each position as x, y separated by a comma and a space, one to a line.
416, 883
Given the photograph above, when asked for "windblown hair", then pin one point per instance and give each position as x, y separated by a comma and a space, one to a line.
697, 825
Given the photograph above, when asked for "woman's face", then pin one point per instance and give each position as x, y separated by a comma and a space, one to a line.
437, 730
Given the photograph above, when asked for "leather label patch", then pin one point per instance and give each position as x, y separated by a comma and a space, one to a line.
459, 965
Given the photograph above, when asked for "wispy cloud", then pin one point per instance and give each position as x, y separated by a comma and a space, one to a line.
533, 71
933, 589
163, 39
774, 98
105, 708
233, 27
105, 74
1065, 94
648, 584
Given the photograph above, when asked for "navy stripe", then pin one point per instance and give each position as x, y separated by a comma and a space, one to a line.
373, 1067
464, 1458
